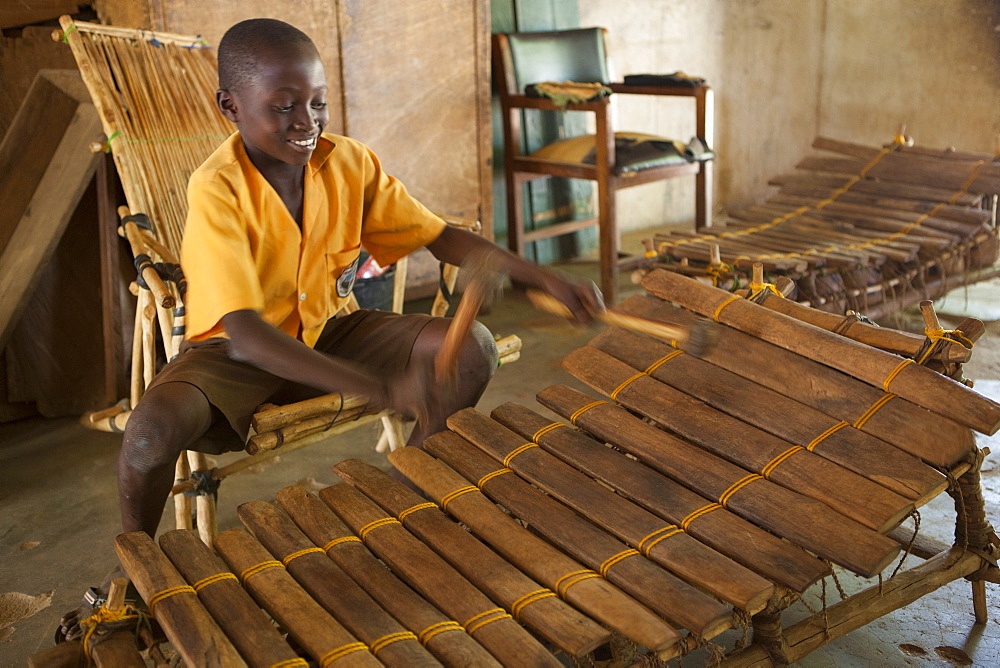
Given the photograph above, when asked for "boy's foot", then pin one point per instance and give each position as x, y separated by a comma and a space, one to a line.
69, 625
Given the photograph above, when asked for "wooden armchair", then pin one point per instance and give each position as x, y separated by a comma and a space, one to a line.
523, 59
154, 93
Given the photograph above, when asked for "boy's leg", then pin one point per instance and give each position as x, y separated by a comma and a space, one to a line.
169, 419
475, 366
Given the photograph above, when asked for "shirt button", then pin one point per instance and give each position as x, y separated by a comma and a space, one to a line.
302, 297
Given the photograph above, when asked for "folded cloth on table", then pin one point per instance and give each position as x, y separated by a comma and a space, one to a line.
675, 80
565, 92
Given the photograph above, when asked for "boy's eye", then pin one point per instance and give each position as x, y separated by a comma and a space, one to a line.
319, 105
283, 110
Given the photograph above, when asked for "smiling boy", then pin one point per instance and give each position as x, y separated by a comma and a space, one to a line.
277, 218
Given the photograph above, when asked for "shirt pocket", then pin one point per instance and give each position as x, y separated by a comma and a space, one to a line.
342, 270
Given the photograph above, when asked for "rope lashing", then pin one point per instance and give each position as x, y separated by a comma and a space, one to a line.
205, 483
614, 559
565, 582
657, 536
451, 496
874, 409
441, 627
489, 476
895, 372
301, 553
758, 289
371, 526
387, 640
212, 579
341, 652
160, 596
413, 509
580, 411
526, 600
482, 619
941, 334
259, 568
514, 453
340, 541
544, 430
107, 620
700, 512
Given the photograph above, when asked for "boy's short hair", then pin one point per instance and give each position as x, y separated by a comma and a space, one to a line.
240, 48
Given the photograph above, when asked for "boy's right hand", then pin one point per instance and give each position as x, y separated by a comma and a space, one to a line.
414, 393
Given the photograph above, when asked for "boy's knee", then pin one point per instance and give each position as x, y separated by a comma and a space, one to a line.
147, 443
480, 351
161, 426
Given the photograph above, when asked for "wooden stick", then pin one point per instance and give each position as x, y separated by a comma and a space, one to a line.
245, 463
438, 582
271, 440
548, 617
891, 340
197, 638
680, 553
281, 416
875, 367
230, 605
697, 339
332, 588
276, 591
866, 606
676, 601
449, 276
182, 502
806, 522
204, 503
450, 644
593, 596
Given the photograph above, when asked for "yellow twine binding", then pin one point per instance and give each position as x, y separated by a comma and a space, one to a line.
692, 516
419, 506
341, 652
434, 629
212, 579
565, 582
826, 434
737, 486
526, 600
371, 526
167, 593
580, 411
451, 496
510, 456
262, 566
611, 561
301, 553
338, 541
484, 618
874, 409
489, 476
657, 536
544, 430
385, 641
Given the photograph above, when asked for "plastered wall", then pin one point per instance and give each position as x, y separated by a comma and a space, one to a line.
785, 71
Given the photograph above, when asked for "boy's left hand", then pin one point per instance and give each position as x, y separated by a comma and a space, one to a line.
584, 300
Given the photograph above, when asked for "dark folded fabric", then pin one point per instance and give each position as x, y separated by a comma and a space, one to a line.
675, 80
633, 155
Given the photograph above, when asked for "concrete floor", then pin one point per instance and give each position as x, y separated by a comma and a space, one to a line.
59, 510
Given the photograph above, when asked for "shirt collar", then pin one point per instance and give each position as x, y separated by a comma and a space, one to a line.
324, 147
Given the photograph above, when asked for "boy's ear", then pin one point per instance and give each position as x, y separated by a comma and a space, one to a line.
226, 104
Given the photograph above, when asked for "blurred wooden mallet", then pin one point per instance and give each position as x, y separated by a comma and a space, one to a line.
484, 281
696, 341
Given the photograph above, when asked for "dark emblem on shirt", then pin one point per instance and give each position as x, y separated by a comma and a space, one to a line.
346, 280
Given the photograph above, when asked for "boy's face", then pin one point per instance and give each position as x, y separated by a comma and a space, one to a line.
281, 111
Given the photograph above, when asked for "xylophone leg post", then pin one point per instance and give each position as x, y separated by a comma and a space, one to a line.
769, 634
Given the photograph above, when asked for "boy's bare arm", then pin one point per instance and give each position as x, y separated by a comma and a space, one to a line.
583, 300
257, 343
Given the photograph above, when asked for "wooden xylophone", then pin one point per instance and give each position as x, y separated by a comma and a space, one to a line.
700, 494
856, 227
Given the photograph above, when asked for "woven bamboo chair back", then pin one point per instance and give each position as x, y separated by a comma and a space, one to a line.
154, 93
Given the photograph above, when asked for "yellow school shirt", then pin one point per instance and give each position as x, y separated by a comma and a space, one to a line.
243, 250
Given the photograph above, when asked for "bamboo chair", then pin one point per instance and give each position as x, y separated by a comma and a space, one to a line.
154, 92
523, 59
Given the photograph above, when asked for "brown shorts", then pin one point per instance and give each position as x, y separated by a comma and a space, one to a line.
379, 340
